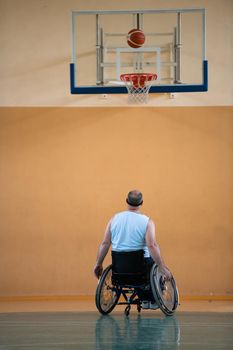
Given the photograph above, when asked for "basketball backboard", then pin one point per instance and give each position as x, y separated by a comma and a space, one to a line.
174, 49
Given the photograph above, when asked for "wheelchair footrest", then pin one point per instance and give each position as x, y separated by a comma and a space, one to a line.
133, 302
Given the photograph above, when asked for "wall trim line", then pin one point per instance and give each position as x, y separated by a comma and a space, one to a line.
43, 298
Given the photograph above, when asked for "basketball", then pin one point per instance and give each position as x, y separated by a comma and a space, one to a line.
135, 38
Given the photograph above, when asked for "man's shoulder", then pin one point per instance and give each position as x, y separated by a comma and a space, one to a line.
127, 213
117, 217
120, 213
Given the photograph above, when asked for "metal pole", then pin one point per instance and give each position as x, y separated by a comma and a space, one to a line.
138, 21
101, 56
118, 12
139, 58
178, 46
174, 52
204, 35
73, 33
99, 53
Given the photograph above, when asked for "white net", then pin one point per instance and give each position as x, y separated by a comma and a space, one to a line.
138, 86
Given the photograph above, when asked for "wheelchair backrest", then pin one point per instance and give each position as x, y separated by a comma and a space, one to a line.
128, 268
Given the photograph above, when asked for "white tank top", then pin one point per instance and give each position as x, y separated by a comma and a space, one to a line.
128, 231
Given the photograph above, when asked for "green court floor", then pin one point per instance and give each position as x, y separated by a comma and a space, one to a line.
90, 330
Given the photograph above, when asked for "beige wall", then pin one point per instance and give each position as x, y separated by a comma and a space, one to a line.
65, 171
35, 42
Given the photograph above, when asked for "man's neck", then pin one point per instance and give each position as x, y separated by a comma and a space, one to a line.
134, 209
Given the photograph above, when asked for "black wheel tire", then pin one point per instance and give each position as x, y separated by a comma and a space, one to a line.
106, 296
168, 307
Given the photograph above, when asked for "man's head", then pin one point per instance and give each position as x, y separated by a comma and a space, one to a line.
134, 198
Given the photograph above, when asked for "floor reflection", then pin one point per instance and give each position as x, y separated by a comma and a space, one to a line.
90, 331
137, 332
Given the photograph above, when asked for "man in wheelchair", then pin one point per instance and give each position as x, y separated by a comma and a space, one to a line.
136, 261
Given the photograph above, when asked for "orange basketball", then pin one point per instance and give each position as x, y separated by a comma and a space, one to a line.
135, 38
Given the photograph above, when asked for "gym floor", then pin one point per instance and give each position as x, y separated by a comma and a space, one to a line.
46, 325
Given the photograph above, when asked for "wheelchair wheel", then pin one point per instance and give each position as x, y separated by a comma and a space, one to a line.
165, 292
106, 296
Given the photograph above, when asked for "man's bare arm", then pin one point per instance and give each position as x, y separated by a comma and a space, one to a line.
154, 249
102, 251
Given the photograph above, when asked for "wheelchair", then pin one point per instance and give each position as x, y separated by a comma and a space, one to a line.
128, 278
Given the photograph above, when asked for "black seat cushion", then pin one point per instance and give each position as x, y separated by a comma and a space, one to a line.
129, 268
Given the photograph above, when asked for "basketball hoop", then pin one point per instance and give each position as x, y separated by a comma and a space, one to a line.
138, 86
